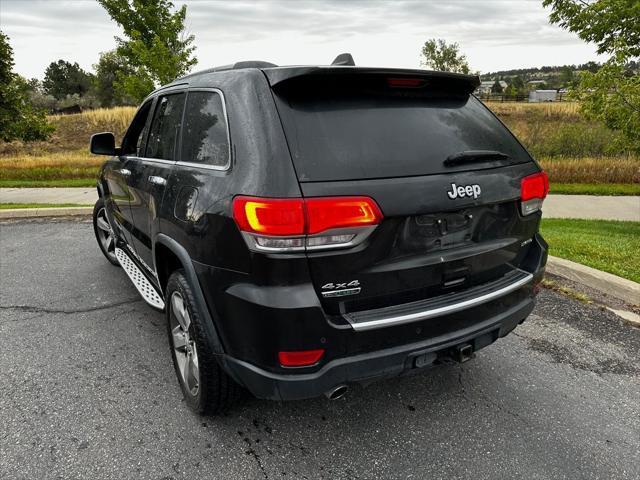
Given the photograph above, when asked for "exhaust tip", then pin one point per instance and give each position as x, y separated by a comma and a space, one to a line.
336, 392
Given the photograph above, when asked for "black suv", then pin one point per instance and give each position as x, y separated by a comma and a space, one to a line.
307, 228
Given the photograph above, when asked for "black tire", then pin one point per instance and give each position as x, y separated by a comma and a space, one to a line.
99, 229
215, 390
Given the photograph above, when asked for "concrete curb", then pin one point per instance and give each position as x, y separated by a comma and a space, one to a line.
629, 317
14, 213
621, 288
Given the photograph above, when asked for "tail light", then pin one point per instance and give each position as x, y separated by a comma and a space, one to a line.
533, 190
300, 358
298, 224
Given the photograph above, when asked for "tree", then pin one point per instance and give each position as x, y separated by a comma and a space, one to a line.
63, 78
18, 118
155, 45
602, 22
612, 93
567, 76
496, 87
518, 84
109, 66
511, 91
439, 55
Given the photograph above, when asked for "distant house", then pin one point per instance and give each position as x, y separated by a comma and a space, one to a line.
536, 82
485, 87
536, 96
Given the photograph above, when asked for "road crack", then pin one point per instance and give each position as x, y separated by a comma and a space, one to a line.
40, 310
252, 452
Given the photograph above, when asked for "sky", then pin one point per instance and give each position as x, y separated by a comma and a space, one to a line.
494, 34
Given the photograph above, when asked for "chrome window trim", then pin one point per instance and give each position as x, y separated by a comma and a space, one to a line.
152, 160
436, 312
205, 166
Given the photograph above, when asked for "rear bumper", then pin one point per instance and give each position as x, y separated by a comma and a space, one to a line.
368, 367
255, 322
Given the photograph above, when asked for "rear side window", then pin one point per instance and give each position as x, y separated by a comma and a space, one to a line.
204, 135
164, 127
346, 135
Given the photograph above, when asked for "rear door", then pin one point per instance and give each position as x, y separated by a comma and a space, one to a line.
444, 171
150, 173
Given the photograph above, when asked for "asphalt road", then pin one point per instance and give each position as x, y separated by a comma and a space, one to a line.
87, 390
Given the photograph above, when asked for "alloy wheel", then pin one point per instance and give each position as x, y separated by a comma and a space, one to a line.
184, 346
105, 234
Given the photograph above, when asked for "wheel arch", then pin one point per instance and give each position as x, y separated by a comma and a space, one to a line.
169, 256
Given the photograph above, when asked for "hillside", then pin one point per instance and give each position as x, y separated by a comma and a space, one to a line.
539, 73
553, 76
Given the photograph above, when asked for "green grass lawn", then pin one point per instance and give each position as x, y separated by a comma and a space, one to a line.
607, 245
58, 182
8, 206
595, 188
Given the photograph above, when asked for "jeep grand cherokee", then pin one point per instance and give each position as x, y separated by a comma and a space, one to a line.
308, 228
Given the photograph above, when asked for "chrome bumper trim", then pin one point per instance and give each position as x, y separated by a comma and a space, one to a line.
436, 312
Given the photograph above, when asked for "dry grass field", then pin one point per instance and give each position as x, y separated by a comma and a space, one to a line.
572, 149
64, 159
72, 132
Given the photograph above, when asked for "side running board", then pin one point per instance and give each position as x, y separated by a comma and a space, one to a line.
143, 285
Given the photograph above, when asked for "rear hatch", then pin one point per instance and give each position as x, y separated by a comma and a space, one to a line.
443, 169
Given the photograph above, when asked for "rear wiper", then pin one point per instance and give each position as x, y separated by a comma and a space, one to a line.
470, 156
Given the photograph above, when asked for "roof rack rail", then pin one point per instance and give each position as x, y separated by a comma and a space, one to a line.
233, 66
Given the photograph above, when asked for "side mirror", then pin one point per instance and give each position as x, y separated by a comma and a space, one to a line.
104, 144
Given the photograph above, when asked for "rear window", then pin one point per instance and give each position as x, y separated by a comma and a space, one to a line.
346, 135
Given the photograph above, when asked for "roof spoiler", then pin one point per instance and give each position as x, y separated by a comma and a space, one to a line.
450, 81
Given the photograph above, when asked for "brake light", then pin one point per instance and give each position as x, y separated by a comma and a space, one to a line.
300, 358
534, 186
533, 190
269, 215
405, 82
326, 213
297, 223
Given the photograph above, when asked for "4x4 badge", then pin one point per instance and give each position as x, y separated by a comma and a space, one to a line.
466, 191
341, 289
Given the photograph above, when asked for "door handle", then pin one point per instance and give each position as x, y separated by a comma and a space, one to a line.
125, 172
157, 180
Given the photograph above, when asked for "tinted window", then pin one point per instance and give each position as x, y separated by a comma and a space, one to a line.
334, 136
132, 143
205, 137
164, 126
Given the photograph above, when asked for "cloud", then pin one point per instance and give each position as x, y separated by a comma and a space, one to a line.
493, 33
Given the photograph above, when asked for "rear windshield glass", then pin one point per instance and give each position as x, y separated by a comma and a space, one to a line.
338, 136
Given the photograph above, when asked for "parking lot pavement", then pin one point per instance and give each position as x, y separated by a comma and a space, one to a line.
87, 390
